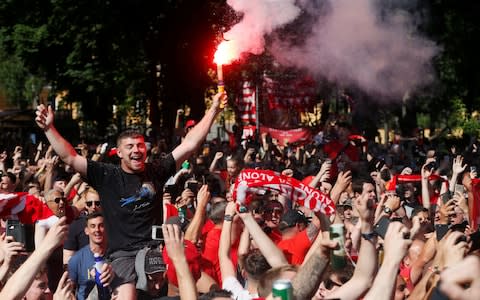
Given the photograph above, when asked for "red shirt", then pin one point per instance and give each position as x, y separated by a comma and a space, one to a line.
296, 248
275, 235
210, 261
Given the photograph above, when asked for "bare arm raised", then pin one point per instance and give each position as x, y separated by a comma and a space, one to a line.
66, 152
197, 135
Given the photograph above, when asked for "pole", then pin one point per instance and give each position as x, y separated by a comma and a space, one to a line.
257, 110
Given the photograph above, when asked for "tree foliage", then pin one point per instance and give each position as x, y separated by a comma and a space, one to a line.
106, 52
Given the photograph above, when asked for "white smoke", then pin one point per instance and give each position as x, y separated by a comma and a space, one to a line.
260, 18
348, 43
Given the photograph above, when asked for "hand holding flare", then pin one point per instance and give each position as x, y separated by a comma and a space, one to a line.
222, 56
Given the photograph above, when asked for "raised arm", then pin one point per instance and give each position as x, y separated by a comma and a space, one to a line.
323, 174
21, 280
395, 249
309, 276
367, 257
344, 179
9, 250
426, 186
195, 227
216, 158
457, 168
227, 268
197, 135
62, 147
271, 252
173, 238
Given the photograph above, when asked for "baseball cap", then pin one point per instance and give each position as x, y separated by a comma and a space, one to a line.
291, 218
148, 261
348, 203
154, 262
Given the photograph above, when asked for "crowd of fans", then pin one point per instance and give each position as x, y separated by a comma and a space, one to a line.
407, 212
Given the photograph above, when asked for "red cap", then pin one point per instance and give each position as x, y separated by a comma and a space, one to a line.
112, 152
190, 123
193, 259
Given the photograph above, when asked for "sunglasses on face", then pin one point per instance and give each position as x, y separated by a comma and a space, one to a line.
271, 210
58, 199
89, 203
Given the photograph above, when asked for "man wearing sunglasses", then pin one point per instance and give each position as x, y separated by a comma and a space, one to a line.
131, 193
57, 203
76, 238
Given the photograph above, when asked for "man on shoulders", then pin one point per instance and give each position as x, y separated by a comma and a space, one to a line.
130, 194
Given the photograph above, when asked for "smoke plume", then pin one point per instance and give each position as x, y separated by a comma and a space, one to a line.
260, 18
350, 42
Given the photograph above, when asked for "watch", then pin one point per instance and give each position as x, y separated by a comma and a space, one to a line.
387, 210
228, 218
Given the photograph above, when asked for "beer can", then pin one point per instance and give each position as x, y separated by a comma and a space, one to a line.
338, 255
282, 288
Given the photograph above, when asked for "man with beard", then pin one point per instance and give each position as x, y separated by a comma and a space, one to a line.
130, 194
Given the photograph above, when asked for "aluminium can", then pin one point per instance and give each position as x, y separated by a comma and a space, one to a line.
282, 288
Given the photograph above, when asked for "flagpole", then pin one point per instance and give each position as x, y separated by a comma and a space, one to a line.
257, 110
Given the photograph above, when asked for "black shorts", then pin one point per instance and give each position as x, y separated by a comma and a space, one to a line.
123, 264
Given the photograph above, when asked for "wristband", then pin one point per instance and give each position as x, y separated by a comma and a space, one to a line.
369, 236
228, 218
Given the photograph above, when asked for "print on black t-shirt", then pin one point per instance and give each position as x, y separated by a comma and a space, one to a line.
141, 199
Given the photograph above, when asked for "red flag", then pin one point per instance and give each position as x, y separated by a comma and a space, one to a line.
27, 208
246, 104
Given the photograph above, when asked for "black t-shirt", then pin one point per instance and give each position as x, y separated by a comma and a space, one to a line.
131, 203
76, 237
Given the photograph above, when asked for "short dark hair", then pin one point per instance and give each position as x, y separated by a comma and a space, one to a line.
217, 213
256, 264
214, 294
94, 215
357, 184
418, 209
11, 176
129, 133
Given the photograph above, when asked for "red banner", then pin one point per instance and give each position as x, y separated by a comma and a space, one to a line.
290, 93
297, 135
250, 180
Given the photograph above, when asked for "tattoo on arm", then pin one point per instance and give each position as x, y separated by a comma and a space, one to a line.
306, 283
312, 231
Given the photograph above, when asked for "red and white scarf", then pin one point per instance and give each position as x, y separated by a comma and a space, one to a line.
27, 208
250, 181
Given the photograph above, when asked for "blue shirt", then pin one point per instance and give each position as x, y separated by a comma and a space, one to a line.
79, 268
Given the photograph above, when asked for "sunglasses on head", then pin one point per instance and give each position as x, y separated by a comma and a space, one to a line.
89, 203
